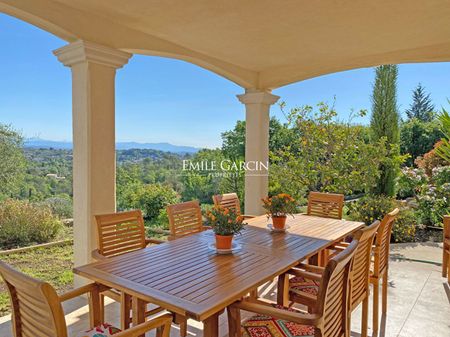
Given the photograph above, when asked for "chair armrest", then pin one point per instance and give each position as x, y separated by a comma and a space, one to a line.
205, 228
155, 241
339, 246
163, 322
97, 256
265, 309
306, 274
248, 216
89, 288
311, 268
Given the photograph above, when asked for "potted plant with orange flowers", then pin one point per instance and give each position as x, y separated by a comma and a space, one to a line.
225, 223
278, 207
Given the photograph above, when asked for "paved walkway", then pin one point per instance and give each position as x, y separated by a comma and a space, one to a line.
418, 300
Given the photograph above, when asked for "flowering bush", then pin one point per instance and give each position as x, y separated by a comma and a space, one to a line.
225, 221
404, 229
430, 160
433, 203
370, 208
441, 175
409, 182
279, 205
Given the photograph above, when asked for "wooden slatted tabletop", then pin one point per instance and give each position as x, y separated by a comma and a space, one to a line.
188, 278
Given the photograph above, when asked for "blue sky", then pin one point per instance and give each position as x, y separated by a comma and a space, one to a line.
165, 100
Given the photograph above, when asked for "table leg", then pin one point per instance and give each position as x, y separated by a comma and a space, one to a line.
211, 325
125, 307
138, 307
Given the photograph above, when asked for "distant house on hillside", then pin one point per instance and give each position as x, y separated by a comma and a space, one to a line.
54, 176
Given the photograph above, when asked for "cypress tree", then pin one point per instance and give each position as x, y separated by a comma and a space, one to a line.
385, 124
421, 107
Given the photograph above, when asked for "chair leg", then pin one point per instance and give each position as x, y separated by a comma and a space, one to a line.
445, 262
376, 296
448, 268
283, 290
234, 322
365, 316
385, 292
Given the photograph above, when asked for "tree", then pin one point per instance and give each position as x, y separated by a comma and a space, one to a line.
12, 161
384, 124
233, 148
421, 107
418, 137
327, 155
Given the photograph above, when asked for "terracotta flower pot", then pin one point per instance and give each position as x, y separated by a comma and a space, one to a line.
279, 222
223, 241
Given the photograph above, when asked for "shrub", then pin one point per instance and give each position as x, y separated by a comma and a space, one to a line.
404, 229
434, 203
441, 175
418, 137
409, 182
60, 206
23, 223
370, 208
430, 160
150, 198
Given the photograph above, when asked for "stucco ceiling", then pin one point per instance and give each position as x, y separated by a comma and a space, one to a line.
256, 43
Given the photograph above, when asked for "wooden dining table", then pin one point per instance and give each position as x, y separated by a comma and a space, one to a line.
188, 277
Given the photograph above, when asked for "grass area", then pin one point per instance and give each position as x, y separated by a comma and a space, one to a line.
53, 265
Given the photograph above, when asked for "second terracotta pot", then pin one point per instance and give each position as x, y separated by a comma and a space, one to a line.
223, 241
279, 222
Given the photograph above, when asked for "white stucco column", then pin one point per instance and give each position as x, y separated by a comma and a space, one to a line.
257, 107
94, 161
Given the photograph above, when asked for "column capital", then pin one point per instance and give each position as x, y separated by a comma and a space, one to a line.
85, 51
258, 97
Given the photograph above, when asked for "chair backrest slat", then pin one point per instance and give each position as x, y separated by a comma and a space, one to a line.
326, 205
184, 218
120, 233
333, 295
361, 264
228, 200
36, 308
383, 241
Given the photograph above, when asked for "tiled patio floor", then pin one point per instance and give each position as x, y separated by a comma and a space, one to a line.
418, 300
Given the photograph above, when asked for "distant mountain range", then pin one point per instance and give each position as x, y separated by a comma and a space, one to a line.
166, 147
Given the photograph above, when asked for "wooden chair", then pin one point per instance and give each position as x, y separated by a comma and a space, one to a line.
120, 233
329, 318
185, 219
231, 201
37, 309
325, 205
304, 286
446, 250
380, 266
